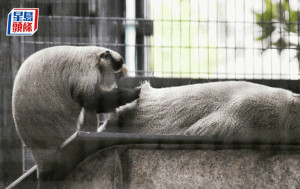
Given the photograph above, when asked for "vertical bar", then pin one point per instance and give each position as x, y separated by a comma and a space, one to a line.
23, 158
140, 49
235, 22
289, 24
162, 42
34, 37
226, 47
180, 46
298, 28
47, 20
171, 39
74, 32
199, 49
244, 54
146, 42
152, 39
253, 25
22, 41
208, 47
130, 36
60, 25
271, 42
262, 44
22, 60
190, 39
280, 34
217, 40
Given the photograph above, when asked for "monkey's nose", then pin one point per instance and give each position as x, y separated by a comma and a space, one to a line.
124, 69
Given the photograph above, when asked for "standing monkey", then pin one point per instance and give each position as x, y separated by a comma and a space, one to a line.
59, 90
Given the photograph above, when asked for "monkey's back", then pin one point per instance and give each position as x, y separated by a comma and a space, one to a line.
42, 104
229, 111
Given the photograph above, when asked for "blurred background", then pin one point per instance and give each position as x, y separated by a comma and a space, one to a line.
169, 42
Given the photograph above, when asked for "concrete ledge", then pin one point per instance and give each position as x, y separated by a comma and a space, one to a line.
146, 166
93, 160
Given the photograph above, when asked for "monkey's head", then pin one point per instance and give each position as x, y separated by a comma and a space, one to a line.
92, 71
112, 67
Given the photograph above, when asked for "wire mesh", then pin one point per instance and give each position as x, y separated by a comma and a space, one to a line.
210, 39
190, 38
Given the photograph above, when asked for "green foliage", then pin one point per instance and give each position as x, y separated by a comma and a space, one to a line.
268, 20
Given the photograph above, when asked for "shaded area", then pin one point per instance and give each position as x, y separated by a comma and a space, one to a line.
10, 144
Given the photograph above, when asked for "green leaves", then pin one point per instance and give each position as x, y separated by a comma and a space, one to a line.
278, 17
281, 44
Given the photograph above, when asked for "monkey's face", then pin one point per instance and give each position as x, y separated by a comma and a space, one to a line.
112, 66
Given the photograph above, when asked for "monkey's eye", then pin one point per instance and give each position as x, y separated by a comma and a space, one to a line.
105, 55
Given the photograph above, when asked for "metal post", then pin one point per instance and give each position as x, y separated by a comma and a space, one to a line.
130, 37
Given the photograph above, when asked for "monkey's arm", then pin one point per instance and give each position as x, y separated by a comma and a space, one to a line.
102, 101
110, 100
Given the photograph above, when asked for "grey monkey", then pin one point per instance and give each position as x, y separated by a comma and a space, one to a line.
224, 111
59, 90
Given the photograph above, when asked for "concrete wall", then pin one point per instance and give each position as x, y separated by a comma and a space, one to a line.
203, 166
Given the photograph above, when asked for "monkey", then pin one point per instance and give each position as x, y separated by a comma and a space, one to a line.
228, 111
58, 91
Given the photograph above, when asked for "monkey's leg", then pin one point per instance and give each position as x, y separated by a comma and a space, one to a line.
45, 181
87, 120
46, 166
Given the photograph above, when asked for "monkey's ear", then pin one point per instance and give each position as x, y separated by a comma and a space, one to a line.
105, 55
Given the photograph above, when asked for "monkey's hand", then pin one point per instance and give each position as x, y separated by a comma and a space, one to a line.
117, 97
128, 95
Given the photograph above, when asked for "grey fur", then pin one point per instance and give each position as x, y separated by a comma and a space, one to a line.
46, 96
225, 111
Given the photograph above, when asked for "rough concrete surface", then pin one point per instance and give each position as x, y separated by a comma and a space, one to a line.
95, 172
126, 167
213, 169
